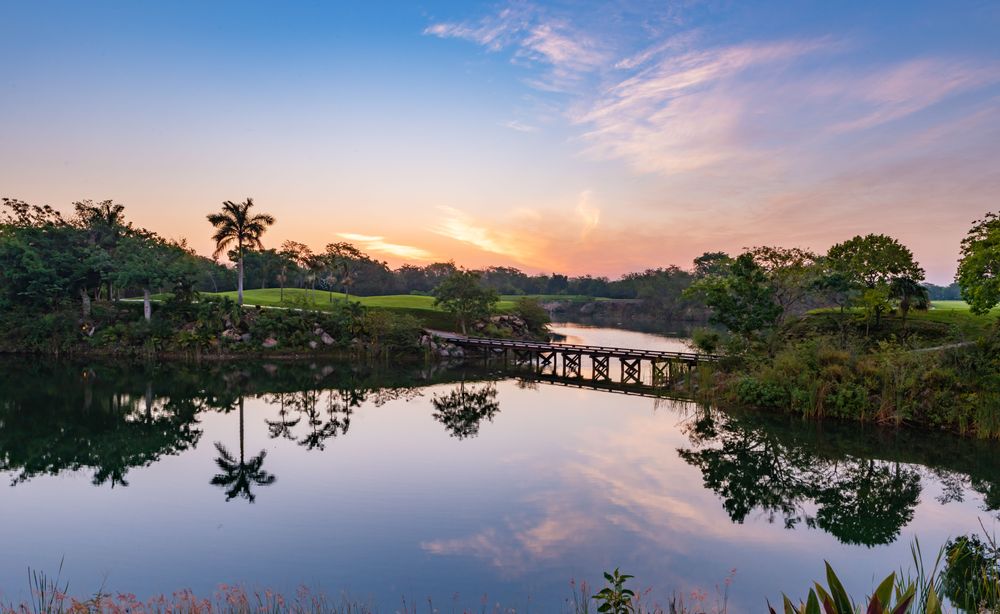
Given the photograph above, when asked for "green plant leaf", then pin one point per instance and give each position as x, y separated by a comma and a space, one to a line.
812, 603
904, 605
933, 603
840, 598
884, 591
825, 599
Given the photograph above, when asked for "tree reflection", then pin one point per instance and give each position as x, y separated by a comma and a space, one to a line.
319, 424
868, 502
858, 500
239, 477
462, 410
57, 419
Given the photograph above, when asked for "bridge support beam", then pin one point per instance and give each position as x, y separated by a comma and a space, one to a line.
601, 368
571, 364
631, 370
660, 377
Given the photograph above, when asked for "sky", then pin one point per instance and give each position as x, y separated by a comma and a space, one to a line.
573, 137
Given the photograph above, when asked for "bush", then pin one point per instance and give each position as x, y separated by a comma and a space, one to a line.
707, 340
534, 315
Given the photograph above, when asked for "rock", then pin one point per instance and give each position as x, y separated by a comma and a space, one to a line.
270, 342
231, 334
326, 338
313, 345
245, 337
318, 331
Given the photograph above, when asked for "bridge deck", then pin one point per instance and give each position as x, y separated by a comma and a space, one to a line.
572, 348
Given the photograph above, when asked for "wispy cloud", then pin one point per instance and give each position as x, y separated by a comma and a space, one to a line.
380, 245
789, 136
588, 214
912, 86
519, 126
527, 235
536, 39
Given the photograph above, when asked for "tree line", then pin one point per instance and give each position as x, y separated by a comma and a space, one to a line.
96, 253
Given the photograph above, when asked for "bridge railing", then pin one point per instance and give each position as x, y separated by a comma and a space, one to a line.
597, 350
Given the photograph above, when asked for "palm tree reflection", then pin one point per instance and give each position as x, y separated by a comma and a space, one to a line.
239, 477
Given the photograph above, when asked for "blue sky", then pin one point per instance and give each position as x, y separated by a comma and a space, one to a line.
580, 137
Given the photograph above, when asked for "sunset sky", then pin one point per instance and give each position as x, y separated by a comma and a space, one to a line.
559, 136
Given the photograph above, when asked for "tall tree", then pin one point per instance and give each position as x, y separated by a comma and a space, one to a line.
740, 297
105, 225
979, 268
463, 295
235, 224
909, 294
342, 258
791, 273
871, 263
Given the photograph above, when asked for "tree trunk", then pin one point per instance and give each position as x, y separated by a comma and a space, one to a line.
86, 303
147, 307
149, 401
239, 281
461, 321
241, 430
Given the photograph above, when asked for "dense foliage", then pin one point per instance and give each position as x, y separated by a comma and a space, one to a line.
979, 268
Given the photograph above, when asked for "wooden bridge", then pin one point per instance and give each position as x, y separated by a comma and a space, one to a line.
663, 367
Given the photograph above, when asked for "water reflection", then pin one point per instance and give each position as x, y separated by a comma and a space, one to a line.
54, 420
239, 477
462, 409
812, 474
860, 485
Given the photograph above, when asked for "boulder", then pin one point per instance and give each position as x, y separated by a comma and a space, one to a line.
326, 338
270, 342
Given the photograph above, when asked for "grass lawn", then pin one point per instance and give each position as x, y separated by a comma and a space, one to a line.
271, 297
945, 321
421, 307
321, 299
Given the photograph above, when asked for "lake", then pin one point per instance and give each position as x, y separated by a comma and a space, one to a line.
460, 484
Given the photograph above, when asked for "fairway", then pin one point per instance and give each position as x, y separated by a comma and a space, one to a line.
320, 299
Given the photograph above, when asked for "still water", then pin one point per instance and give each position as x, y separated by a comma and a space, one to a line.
450, 484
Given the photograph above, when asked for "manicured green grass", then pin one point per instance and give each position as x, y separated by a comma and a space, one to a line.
419, 306
949, 306
945, 320
321, 299
271, 297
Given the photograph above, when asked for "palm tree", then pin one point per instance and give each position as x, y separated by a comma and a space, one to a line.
910, 294
239, 476
235, 224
